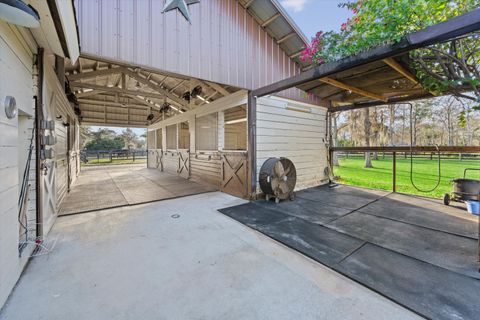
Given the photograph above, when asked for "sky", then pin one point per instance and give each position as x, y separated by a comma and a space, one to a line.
310, 16
316, 15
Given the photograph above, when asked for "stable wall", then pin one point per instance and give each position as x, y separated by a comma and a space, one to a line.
223, 44
16, 79
297, 131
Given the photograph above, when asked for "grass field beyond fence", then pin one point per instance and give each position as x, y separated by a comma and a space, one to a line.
351, 171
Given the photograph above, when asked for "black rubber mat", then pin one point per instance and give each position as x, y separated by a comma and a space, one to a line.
423, 213
314, 212
433, 292
320, 243
429, 271
438, 248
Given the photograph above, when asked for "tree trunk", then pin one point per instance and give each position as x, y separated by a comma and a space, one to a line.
391, 132
366, 125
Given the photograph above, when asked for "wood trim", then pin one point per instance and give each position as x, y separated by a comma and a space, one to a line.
401, 69
359, 91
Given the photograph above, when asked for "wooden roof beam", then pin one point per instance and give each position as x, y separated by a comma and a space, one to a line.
296, 54
401, 69
359, 91
271, 19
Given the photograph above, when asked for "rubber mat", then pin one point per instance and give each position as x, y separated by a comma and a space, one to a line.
433, 292
431, 272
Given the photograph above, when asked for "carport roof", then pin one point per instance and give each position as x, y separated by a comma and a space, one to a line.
377, 76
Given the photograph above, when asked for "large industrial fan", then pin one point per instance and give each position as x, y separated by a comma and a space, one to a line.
278, 178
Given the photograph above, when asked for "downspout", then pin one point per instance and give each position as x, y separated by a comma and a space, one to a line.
252, 143
38, 145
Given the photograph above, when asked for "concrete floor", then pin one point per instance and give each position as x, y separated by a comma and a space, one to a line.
139, 262
119, 185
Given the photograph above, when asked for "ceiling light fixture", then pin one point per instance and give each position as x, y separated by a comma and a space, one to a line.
19, 13
236, 121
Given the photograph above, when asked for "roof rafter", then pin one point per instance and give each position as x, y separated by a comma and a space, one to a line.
359, 91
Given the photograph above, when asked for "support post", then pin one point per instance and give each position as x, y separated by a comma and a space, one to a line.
252, 143
38, 145
394, 172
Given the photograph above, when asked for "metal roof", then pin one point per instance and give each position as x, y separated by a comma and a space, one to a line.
377, 76
279, 25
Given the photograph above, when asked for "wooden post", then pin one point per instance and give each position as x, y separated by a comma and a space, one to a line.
394, 172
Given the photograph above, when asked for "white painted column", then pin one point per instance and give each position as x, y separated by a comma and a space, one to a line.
164, 138
191, 129
221, 130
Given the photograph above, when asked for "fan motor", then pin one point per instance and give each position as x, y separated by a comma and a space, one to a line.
277, 178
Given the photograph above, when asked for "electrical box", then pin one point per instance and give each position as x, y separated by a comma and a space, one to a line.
47, 154
48, 140
47, 125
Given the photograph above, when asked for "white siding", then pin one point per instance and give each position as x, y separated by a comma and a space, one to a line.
283, 130
15, 80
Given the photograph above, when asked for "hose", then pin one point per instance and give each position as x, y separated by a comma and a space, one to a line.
411, 158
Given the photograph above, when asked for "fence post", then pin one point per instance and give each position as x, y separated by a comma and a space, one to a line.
394, 172
133, 156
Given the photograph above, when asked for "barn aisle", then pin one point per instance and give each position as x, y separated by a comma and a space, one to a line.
116, 186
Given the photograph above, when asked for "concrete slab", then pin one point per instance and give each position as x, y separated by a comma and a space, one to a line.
140, 263
113, 186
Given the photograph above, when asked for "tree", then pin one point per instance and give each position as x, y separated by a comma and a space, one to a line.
449, 67
130, 139
105, 143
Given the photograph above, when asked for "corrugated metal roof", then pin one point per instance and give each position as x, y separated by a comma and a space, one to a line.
279, 25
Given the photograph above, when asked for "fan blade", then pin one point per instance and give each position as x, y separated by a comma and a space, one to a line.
283, 187
278, 169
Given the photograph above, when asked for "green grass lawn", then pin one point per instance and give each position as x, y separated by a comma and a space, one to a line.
106, 161
351, 171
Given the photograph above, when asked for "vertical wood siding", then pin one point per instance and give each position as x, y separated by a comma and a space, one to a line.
298, 136
223, 44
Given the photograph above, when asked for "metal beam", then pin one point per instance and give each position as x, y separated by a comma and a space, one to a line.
149, 83
93, 74
88, 93
110, 103
454, 27
271, 19
218, 88
286, 37
397, 100
119, 90
252, 143
359, 91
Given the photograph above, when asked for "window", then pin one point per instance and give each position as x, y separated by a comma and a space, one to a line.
206, 132
159, 138
172, 137
235, 128
183, 135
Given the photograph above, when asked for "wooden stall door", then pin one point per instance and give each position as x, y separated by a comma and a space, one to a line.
234, 174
